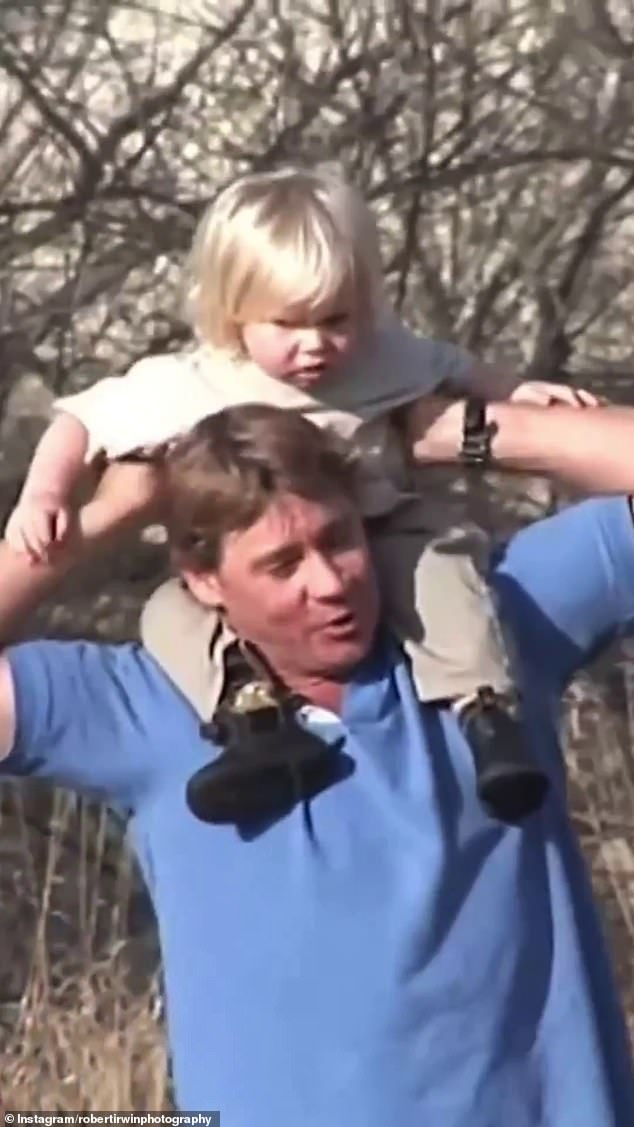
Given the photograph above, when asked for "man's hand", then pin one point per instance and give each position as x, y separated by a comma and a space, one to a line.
540, 393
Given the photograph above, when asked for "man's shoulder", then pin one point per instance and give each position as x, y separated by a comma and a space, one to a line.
596, 524
91, 716
566, 583
80, 667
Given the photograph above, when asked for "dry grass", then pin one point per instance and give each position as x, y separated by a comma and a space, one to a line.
600, 723
85, 1045
84, 1032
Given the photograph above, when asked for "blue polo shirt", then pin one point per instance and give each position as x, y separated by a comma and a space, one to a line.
386, 954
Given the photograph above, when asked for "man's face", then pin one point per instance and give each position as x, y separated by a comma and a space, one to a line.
299, 584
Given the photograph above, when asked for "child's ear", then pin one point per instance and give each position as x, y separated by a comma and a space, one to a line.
204, 586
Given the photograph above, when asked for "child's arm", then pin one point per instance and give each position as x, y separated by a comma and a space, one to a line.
41, 516
59, 458
114, 416
128, 497
495, 382
591, 450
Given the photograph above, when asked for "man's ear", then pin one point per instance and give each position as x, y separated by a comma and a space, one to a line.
204, 586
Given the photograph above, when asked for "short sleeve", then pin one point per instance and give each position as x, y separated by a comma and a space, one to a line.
448, 363
566, 585
144, 408
78, 717
394, 367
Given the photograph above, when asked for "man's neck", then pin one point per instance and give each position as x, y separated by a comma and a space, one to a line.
321, 691
324, 694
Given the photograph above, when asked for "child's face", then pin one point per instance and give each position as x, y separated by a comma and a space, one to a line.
300, 347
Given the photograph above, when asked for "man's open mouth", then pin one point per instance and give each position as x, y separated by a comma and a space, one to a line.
342, 623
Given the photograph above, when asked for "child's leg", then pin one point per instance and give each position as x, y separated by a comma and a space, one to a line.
464, 648
438, 602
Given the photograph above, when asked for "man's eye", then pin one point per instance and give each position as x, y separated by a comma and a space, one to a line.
340, 537
284, 569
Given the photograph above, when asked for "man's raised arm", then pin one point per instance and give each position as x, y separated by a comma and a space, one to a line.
126, 498
591, 449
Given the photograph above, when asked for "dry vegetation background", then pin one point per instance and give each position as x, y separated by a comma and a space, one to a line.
496, 141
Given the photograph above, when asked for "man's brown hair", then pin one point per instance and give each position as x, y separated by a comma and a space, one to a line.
223, 474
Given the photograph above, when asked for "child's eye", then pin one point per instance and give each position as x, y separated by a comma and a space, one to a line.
335, 320
332, 321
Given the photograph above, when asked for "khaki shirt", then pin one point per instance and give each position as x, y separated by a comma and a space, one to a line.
163, 396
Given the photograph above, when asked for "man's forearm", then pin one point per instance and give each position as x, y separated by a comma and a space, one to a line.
592, 449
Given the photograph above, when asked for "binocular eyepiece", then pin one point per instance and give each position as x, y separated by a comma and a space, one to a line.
510, 785
269, 763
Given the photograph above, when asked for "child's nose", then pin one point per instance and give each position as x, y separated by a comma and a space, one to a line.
312, 337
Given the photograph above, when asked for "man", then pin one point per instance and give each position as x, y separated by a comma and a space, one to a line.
380, 951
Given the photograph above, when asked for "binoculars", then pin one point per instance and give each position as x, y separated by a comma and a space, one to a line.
509, 784
270, 762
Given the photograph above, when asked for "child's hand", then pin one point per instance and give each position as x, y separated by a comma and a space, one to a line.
38, 522
543, 394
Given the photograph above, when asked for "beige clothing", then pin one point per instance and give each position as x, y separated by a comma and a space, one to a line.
435, 598
163, 396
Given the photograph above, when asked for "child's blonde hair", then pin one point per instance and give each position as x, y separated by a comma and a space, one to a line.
274, 241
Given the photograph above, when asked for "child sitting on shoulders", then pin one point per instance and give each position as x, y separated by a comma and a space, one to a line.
288, 305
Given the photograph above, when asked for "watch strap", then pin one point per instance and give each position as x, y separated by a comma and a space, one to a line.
477, 434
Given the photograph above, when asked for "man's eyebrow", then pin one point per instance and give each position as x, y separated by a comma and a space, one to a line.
294, 547
276, 556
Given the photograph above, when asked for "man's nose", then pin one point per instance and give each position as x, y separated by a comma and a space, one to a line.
325, 581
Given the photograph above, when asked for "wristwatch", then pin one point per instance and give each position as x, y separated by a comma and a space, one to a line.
477, 434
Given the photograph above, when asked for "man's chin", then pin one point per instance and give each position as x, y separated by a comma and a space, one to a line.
340, 659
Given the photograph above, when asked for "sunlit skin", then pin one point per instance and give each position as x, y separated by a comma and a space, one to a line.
301, 346
299, 584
